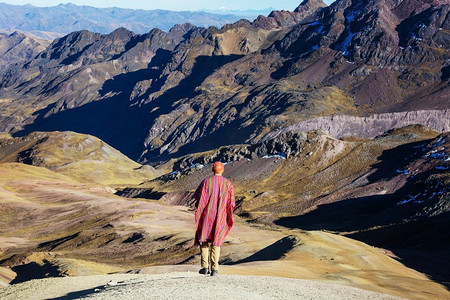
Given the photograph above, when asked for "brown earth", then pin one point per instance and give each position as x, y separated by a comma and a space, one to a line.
391, 191
96, 232
82, 157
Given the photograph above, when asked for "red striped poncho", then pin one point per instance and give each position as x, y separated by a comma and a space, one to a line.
215, 205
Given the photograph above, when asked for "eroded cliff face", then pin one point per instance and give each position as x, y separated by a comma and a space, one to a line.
340, 126
166, 94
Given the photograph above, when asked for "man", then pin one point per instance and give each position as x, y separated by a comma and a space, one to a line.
214, 217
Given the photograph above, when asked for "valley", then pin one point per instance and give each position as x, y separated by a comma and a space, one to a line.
332, 123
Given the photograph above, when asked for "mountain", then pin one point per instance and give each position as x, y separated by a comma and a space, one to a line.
318, 113
19, 46
390, 191
165, 94
45, 22
80, 157
248, 13
52, 226
293, 173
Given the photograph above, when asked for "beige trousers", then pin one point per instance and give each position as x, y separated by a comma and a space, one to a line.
209, 253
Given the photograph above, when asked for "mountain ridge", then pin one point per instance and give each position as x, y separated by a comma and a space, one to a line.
18, 46
189, 86
62, 19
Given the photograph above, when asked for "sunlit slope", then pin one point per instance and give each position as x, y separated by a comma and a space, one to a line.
75, 229
82, 157
293, 173
391, 192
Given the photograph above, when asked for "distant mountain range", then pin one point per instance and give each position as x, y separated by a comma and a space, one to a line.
50, 22
247, 13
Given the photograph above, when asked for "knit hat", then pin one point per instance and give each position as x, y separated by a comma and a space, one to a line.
218, 167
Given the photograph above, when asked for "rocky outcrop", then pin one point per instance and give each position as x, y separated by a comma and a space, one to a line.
340, 126
282, 19
309, 5
381, 33
282, 146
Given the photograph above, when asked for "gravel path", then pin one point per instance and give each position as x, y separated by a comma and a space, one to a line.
182, 285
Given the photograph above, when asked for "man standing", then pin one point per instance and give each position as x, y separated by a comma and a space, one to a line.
214, 217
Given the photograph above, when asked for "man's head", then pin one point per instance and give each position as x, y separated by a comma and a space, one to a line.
218, 168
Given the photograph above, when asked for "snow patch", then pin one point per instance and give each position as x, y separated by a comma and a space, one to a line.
197, 166
403, 172
346, 43
348, 22
442, 168
278, 155
320, 29
438, 143
420, 147
438, 155
410, 199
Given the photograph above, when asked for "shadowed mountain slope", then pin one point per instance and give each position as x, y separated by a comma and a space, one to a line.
171, 93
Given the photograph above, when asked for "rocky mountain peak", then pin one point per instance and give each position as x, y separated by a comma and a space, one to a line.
121, 33
69, 45
308, 5
406, 8
18, 46
384, 33
284, 18
180, 30
17, 33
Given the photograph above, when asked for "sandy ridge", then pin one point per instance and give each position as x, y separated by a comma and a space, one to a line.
182, 285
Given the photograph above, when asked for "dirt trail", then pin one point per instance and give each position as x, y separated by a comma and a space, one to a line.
183, 285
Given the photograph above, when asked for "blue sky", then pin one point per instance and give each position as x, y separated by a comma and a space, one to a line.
173, 4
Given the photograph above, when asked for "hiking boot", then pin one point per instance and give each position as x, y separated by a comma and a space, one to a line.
204, 271
215, 272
